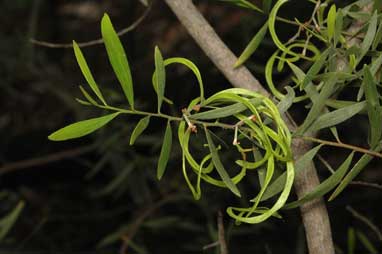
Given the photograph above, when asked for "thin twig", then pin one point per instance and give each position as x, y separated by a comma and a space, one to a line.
343, 145
93, 42
365, 220
221, 234
326, 163
46, 159
366, 184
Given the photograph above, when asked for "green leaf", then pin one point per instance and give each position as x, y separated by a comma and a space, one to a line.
244, 4
351, 240
252, 45
338, 27
366, 242
219, 166
357, 168
325, 186
267, 4
87, 96
86, 72
337, 116
9, 220
318, 105
141, 126
277, 205
165, 151
369, 37
315, 68
188, 64
271, 25
81, 128
331, 21
374, 108
377, 5
160, 76
117, 58
287, 102
378, 35
302, 163
224, 111
375, 64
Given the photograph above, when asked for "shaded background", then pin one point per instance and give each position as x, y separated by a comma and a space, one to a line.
90, 195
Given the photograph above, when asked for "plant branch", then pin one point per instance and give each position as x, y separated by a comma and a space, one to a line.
343, 145
365, 220
93, 42
46, 159
314, 214
221, 234
366, 184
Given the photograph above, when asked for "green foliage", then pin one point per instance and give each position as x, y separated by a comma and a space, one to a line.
141, 126
165, 152
323, 65
117, 57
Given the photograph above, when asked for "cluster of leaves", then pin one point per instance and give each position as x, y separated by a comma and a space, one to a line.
258, 131
253, 120
337, 53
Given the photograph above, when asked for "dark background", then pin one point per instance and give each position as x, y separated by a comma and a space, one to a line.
99, 190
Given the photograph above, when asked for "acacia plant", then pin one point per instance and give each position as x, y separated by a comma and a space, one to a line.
335, 52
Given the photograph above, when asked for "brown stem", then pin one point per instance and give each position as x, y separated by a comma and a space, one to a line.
45, 159
343, 145
221, 234
96, 41
314, 213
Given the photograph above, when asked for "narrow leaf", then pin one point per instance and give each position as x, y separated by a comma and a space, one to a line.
325, 186
374, 108
378, 35
219, 166
337, 116
9, 220
356, 169
86, 72
252, 45
351, 240
117, 58
160, 76
366, 243
287, 102
81, 128
318, 105
244, 4
141, 126
87, 96
369, 37
224, 111
165, 151
267, 4
331, 21
302, 163
315, 68
338, 27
